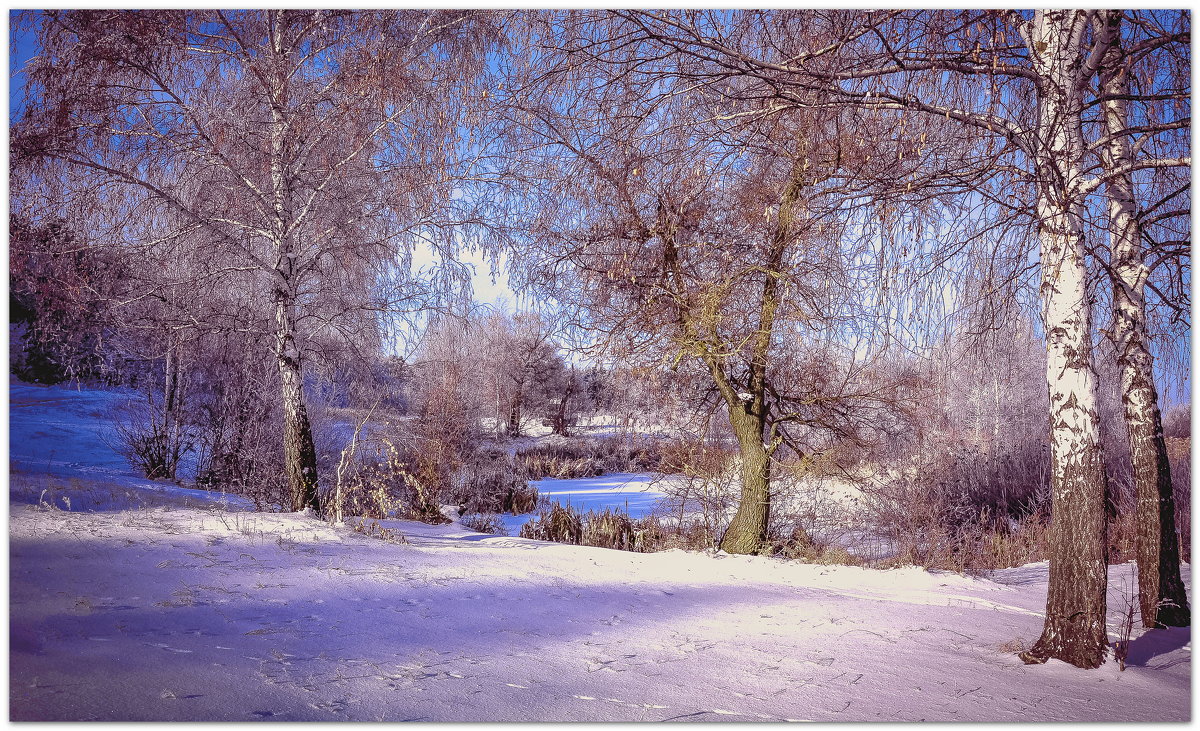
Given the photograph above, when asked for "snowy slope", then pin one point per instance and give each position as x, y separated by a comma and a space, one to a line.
200, 613
61, 445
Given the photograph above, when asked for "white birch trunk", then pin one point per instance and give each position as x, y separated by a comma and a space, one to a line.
1075, 629
1160, 587
300, 460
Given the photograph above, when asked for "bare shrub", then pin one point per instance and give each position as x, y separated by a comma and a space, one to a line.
705, 481
1009, 544
917, 518
1125, 628
389, 484
239, 427
152, 440
489, 482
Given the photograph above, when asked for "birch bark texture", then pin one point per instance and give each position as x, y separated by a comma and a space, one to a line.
1161, 594
1075, 628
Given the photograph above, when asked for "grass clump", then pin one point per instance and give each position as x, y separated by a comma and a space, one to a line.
613, 529
575, 458
558, 524
608, 529
484, 523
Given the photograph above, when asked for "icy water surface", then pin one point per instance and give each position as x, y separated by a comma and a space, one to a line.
635, 493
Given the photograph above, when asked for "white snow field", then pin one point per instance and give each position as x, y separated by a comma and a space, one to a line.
169, 609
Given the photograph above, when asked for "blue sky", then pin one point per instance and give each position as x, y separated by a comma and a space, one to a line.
21, 49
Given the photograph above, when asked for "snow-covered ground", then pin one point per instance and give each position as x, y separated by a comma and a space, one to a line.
61, 444
168, 609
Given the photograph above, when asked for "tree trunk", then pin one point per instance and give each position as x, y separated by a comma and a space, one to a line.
1160, 587
747, 532
514, 417
560, 415
300, 454
1075, 627
171, 411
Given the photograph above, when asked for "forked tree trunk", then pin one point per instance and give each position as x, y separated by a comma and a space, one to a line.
1075, 626
1161, 592
300, 454
748, 531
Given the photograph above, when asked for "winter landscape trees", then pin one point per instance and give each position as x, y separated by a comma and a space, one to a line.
1052, 59
295, 153
888, 248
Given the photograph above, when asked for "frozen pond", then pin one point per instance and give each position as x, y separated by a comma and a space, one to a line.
632, 492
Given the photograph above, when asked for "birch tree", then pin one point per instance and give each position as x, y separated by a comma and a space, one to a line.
304, 147
1161, 591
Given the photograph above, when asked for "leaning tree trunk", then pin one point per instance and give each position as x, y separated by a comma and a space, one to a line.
300, 454
1160, 587
1075, 628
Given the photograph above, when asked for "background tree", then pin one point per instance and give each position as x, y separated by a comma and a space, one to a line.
684, 228
302, 148
526, 370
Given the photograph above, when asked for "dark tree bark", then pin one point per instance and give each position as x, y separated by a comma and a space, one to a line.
514, 414
1162, 598
747, 532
